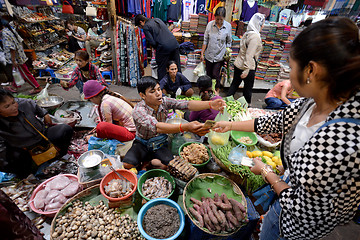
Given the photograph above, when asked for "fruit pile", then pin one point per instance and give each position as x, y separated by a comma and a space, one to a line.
272, 159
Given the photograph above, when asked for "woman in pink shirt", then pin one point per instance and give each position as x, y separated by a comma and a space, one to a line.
281, 95
114, 110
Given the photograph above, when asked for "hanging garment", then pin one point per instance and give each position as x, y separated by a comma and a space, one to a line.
187, 9
285, 16
247, 11
315, 3
160, 9
274, 14
237, 10
174, 10
201, 6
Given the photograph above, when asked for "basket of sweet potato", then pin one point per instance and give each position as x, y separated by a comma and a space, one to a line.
215, 204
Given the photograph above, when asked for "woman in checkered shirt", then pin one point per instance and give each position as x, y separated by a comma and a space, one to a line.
322, 165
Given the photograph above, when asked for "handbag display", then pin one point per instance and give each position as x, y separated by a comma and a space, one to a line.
90, 10
40, 153
67, 8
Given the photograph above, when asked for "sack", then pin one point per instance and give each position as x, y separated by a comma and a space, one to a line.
67, 8
18, 79
200, 70
90, 10
41, 154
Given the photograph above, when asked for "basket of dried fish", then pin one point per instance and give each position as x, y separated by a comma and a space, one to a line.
181, 169
156, 183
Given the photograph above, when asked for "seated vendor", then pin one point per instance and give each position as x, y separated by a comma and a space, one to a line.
84, 71
207, 93
17, 136
151, 129
174, 80
77, 36
115, 113
94, 37
281, 95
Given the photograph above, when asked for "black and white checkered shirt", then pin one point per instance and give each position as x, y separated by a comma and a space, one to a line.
324, 173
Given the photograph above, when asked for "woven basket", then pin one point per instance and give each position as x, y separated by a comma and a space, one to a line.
236, 189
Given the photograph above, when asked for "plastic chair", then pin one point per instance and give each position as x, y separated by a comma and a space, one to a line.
107, 73
49, 70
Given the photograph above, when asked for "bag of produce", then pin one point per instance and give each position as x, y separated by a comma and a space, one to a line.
217, 139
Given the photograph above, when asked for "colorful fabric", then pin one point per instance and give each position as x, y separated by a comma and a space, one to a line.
274, 14
160, 9
247, 11
28, 77
78, 79
187, 9
117, 111
174, 10
146, 118
11, 42
324, 173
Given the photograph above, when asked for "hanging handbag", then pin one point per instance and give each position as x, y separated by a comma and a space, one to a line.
67, 8
40, 153
90, 10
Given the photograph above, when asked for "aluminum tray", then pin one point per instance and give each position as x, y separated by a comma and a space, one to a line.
88, 116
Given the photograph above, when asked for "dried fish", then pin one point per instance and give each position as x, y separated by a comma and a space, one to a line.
118, 188
156, 187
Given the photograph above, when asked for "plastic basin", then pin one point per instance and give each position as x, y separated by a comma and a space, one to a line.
111, 175
236, 135
155, 173
155, 202
41, 187
196, 165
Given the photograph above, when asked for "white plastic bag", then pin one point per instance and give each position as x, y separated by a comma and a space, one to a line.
19, 80
44, 93
200, 70
90, 10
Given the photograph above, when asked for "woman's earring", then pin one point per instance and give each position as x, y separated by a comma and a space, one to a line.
308, 80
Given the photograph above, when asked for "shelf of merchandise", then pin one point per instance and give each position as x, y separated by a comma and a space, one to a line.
51, 45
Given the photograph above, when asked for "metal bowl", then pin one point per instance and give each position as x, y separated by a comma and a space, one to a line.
51, 102
176, 121
82, 160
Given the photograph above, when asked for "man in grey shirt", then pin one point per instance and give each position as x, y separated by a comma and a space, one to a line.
216, 39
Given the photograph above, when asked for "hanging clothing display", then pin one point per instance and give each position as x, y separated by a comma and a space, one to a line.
285, 16
174, 10
160, 9
201, 6
315, 3
248, 10
187, 9
237, 10
121, 7
128, 50
274, 13
134, 7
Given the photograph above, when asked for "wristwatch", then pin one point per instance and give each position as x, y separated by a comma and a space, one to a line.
265, 171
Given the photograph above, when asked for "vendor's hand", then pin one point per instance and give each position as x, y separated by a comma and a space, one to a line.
64, 84
281, 169
193, 127
218, 104
258, 166
47, 120
49, 80
202, 58
222, 126
244, 75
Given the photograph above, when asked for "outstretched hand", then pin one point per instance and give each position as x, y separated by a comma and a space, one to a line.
218, 105
222, 126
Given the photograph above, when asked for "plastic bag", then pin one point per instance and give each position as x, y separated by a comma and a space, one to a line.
108, 146
217, 139
200, 70
44, 93
237, 153
18, 79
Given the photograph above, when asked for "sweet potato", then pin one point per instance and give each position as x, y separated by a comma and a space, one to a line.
197, 215
224, 198
198, 208
223, 219
242, 208
238, 213
212, 217
217, 198
230, 217
230, 226
213, 208
223, 206
208, 223
195, 201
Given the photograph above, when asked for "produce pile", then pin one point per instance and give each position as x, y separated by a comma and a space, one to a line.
84, 221
182, 97
218, 214
195, 153
156, 187
271, 137
161, 221
234, 108
181, 169
253, 181
245, 140
118, 188
55, 193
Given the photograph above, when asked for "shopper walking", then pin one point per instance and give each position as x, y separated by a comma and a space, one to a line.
246, 61
217, 38
162, 40
16, 58
322, 163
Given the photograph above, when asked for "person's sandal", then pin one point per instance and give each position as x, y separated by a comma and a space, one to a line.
35, 91
10, 89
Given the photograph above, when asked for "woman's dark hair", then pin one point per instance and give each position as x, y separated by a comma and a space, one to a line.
169, 64
145, 83
82, 54
220, 11
71, 22
204, 83
5, 24
93, 24
4, 94
334, 43
115, 94
139, 18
